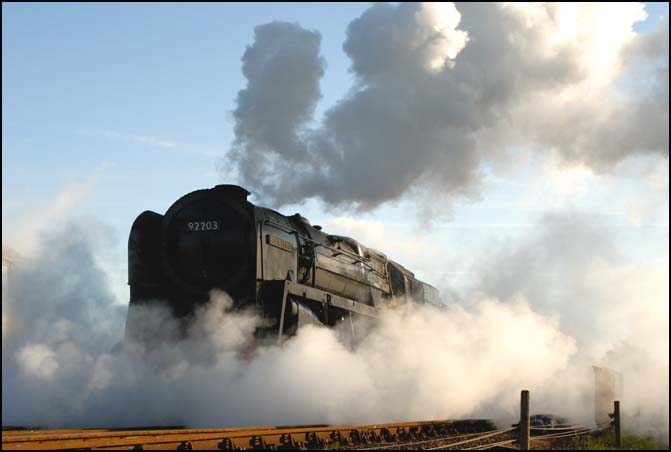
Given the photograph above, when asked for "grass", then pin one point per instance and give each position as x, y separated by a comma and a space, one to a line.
607, 442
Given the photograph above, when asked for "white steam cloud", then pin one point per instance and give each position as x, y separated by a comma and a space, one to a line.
617, 311
517, 329
442, 91
418, 363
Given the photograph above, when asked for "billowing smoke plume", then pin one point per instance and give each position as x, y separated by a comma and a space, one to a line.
283, 69
441, 91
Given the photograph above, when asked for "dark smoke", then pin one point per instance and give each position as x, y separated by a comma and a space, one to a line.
441, 91
283, 68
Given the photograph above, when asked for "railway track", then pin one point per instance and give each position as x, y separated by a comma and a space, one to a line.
452, 442
434, 435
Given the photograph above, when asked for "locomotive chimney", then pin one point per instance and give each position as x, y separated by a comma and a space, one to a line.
233, 191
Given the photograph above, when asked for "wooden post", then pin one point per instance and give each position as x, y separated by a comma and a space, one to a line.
618, 426
523, 437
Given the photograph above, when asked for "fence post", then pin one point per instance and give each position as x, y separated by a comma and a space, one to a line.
523, 437
618, 426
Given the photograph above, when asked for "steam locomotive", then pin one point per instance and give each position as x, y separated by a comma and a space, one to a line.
293, 272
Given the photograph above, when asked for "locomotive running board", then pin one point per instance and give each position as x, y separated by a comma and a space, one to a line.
328, 299
313, 294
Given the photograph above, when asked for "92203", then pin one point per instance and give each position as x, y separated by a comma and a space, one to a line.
202, 225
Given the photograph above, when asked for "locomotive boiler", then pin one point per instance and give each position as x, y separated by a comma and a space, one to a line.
294, 273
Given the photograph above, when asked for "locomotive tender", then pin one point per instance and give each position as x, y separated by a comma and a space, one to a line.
293, 272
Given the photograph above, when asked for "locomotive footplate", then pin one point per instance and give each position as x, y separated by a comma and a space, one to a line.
328, 299
326, 307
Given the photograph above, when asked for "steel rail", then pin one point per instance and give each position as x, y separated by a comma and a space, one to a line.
495, 433
572, 427
251, 437
416, 443
562, 435
607, 425
487, 446
577, 432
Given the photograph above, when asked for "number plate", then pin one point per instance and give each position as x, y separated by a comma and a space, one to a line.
207, 225
279, 243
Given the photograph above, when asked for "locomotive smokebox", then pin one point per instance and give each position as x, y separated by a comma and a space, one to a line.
208, 239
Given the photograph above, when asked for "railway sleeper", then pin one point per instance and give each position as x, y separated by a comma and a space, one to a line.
287, 442
401, 434
257, 443
386, 435
372, 437
312, 441
355, 438
226, 444
336, 436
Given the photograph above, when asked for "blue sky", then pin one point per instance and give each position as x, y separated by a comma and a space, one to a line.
133, 102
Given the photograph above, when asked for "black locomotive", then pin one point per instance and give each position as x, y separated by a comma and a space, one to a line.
293, 272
